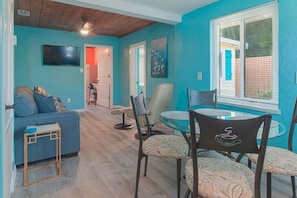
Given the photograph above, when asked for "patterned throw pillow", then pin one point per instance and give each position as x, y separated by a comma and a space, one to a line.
59, 105
40, 90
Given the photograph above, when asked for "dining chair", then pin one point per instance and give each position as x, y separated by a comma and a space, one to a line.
164, 146
280, 161
157, 103
198, 98
219, 176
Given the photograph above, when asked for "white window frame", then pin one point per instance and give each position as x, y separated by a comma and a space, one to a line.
255, 104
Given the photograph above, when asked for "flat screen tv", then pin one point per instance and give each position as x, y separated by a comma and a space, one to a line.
61, 55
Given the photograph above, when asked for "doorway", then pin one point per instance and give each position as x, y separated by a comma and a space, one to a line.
137, 68
98, 75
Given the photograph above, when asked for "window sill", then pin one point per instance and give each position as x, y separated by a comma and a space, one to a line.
265, 107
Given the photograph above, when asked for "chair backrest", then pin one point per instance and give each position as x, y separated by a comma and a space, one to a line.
292, 126
139, 110
201, 98
159, 101
231, 136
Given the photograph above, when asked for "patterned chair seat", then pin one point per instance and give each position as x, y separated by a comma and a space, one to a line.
278, 161
220, 178
168, 146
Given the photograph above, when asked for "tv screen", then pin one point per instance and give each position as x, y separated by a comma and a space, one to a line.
61, 55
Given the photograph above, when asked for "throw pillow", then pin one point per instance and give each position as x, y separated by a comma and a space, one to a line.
24, 101
45, 104
59, 105
40, 90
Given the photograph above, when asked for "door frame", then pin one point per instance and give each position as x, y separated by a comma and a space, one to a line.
8, 42
132, 68
111, 72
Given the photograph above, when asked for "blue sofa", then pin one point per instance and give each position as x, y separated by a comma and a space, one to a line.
33, 108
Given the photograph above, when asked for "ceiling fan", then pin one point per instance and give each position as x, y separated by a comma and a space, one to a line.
86, 28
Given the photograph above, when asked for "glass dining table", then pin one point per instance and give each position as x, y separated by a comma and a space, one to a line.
179, 120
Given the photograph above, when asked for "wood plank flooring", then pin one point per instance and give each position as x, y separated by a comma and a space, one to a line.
106, 167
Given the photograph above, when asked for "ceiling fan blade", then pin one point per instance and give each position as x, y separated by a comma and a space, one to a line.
65, 27
93, 33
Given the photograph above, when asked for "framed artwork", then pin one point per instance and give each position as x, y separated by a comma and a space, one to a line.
159, 58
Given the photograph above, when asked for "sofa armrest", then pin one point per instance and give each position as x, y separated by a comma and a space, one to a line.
70, 135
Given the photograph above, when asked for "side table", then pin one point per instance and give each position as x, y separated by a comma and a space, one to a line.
31, 135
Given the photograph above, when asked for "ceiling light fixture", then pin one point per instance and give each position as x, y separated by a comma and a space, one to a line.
84, 31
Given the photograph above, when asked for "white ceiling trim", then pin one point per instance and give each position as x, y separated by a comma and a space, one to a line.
169, 12
129, 9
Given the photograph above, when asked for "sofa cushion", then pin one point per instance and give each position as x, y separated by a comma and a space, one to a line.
24, 101
45, 104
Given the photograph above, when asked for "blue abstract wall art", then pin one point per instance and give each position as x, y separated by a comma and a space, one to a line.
159, 58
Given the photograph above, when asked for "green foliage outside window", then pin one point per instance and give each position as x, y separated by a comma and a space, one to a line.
265, 95
258, 37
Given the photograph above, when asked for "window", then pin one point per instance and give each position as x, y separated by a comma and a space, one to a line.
245, 58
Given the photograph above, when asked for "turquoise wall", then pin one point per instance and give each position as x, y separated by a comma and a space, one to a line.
63, 81
193, 53
148, 34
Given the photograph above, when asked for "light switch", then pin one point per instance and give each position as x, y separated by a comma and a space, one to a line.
81, 70
199, 75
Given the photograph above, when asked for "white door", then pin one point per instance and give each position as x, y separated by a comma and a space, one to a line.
137, 68
6, 66
104, 92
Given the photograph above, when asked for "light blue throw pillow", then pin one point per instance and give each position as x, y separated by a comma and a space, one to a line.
24, 101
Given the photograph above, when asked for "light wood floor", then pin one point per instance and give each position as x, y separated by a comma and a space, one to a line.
106, 167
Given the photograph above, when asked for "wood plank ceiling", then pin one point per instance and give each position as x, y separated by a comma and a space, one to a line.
58, 16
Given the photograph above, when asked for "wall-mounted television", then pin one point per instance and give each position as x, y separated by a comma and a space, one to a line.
61, 55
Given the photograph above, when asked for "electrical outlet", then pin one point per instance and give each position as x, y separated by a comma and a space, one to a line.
68, 100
